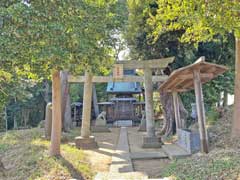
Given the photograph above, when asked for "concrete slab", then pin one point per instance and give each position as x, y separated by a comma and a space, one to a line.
174, 151
121, 162
148, 155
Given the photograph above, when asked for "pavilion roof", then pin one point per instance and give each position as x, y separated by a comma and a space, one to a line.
181, 80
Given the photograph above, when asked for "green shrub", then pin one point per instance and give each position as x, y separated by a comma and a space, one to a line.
212, 116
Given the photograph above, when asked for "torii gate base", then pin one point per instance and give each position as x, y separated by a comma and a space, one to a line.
86, 143
152, 142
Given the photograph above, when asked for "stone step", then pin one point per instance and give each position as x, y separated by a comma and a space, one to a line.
148, 155
121, 176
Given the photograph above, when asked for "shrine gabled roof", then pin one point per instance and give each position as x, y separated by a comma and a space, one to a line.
124, 87
181, 80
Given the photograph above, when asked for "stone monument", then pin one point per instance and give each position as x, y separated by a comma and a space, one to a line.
142, 126
101, 123
48, 121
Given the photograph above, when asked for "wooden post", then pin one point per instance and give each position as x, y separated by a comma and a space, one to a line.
236, 114
176, 110
56, 114
149, 102
87, 102
200, 111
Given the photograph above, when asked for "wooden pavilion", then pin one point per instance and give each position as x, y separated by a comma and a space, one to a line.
188, 78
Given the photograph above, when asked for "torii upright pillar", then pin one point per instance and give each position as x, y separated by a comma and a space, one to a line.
149, 141
86, 141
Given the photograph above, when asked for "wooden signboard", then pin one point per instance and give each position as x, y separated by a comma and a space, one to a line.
118, 71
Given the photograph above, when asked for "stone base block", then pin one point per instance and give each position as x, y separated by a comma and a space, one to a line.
100, 129
152, 142
142, 128
86, 143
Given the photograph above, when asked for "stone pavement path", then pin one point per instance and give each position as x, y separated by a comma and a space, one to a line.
122, 161
122, 168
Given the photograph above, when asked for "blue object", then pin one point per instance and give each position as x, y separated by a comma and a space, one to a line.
125, 87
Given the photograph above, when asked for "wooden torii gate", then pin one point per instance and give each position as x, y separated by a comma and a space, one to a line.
150, 140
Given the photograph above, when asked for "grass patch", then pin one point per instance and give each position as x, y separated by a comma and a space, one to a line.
216, 165
25, 156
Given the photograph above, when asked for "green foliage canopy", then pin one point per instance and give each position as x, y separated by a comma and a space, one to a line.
201, 20
40, 36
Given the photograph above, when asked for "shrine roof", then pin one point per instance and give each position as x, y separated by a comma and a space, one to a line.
124, 87
181, 80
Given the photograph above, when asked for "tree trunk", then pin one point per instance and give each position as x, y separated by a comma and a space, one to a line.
66, 104
25, 116
56, 114
46, 92
169, 126
236, 115
225, 99
6, 118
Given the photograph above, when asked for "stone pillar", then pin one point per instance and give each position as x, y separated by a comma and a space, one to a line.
87, 105
149, 141
85, 141
56, 114
149, 102
48, 120
200, 111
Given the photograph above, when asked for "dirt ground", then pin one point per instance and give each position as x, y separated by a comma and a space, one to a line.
101, 158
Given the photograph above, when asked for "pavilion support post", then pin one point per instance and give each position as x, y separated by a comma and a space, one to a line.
176, 110
85, 141
149, 141
200, 111
56, 114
